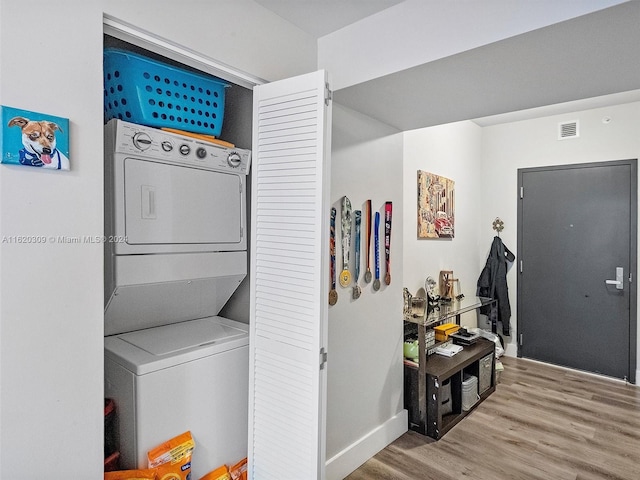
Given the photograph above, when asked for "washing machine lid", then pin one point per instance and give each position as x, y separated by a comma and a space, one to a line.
176, 338
152, 349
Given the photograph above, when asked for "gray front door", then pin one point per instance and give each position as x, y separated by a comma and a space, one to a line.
576, 229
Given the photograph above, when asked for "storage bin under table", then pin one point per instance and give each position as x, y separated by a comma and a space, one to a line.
485, 374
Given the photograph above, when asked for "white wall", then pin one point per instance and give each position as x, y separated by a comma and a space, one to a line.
51, 298
415, 32
365, 380
533, 143
51, 305
453, 151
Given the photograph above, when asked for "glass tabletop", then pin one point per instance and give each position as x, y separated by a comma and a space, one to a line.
444, 311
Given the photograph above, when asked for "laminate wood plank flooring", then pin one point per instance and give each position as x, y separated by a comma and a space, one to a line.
542, 423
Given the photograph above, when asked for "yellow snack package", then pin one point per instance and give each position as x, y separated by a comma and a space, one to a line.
220, 473
146, 474
172, 459
239, 470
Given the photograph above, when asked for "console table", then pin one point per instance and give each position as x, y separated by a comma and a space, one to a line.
424, 383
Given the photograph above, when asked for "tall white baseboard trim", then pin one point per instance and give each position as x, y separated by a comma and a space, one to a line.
346, 461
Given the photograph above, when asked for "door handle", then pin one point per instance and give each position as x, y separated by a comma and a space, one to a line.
148, 201
619, 281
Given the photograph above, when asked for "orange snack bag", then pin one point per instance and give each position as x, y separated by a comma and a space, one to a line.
146, 474
220, 473
172, 459
239, 470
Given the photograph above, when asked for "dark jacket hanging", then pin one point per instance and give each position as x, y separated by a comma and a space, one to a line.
493, 283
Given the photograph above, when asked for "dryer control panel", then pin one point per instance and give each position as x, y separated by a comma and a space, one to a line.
142, 141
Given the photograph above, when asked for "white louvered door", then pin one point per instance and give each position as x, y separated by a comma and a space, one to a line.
289, 278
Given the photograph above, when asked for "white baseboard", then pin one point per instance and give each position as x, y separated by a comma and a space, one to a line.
346, 461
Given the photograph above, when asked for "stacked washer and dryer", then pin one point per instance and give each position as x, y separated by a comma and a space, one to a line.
175, 251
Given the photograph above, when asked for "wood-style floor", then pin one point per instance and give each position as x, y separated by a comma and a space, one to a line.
543, 422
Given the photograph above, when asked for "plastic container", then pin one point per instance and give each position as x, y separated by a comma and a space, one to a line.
484, 376
469, 392
144, 91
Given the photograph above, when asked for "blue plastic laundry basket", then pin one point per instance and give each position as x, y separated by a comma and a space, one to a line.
140, 90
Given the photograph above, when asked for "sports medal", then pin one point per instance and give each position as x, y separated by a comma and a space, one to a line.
345, 275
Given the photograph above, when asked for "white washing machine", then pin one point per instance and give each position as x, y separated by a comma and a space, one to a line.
175, 251
173, 378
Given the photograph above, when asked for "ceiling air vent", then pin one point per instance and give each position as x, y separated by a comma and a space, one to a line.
568, 130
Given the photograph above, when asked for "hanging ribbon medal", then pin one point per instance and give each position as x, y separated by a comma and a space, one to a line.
333, 295
345, 275
376, 251
356, 288
387, 241
367, 217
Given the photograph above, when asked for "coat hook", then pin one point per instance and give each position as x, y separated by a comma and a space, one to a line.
498, 225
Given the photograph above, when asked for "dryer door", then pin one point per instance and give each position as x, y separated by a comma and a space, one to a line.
176, 208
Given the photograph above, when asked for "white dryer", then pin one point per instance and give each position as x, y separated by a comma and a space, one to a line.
175, 251
175, 226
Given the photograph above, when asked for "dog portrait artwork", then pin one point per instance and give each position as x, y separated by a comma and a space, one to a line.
34, 139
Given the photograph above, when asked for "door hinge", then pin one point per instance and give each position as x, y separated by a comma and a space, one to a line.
520, 340
328, 94
631, 278
521, 266
521, 192
323, 358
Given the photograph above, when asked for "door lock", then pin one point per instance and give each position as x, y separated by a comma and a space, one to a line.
619, 281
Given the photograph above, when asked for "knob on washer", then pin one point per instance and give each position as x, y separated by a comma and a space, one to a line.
141, 140
185, 149
234, 159
201, 152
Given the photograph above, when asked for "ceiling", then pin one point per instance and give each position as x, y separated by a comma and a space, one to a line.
321, 17
594, 57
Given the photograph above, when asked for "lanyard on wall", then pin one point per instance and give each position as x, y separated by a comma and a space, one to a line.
367, 217
387, 241
356, 288
376, 247
333, 295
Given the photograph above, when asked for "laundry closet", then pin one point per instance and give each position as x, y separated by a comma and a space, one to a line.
178, 296
176, 216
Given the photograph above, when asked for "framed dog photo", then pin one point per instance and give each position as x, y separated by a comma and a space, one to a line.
34, 139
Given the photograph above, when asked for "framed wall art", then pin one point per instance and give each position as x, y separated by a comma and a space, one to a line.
34, 139
436, 202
